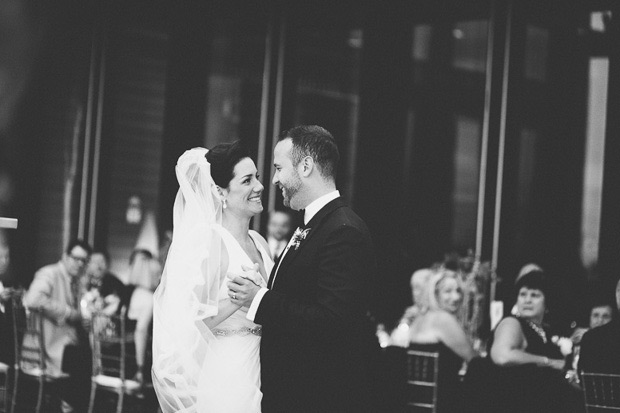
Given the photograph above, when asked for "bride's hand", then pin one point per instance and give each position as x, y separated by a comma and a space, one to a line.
252, 273
242, 290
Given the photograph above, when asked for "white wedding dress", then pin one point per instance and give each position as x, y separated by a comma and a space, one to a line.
195, 369
232, 369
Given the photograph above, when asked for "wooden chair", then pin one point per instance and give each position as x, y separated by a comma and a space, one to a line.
30, 357
6, 370
601, 392
112, 358
4, 387
422, 385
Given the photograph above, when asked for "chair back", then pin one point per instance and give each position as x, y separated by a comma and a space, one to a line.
4, 387
601, 392
28, 339
112, 347
422, 380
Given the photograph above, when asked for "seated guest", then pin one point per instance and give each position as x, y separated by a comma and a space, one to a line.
55, 291
7, 280
529, 376
278, 233
601, 313
526, 269
8, 290
599, 346
418, 282
104, 287
437, 329
141, 284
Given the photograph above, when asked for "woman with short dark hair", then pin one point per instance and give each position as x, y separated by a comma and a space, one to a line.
529, 376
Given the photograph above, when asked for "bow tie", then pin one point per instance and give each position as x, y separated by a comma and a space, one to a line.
300, 217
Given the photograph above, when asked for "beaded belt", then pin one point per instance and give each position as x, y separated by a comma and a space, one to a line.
244, 331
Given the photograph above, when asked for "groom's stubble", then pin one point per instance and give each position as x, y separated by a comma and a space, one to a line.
291, 192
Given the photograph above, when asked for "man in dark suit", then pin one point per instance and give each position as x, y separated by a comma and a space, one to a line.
600, 346
317, 342
101, 279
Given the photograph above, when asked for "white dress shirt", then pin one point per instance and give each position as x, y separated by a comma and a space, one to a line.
311, 210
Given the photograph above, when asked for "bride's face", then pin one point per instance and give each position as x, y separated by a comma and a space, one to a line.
243, 195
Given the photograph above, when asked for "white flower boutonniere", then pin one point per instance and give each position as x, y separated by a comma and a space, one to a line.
299, 236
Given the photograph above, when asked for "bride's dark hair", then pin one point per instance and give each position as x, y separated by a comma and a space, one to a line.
223, 159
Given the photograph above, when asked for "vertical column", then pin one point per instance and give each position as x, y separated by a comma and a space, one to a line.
609, 244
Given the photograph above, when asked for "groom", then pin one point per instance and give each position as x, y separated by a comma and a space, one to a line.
317, 342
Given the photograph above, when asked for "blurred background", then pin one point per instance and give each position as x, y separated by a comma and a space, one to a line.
483, 128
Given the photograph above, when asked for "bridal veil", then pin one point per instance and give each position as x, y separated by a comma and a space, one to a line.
188, 291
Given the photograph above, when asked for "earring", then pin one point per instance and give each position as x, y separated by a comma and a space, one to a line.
224, 204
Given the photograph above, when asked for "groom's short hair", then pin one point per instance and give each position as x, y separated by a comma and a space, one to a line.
316, 142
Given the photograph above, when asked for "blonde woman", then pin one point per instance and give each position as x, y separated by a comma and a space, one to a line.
438, 329
418, 282
141, 284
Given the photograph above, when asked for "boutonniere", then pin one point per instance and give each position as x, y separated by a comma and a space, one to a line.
299, 236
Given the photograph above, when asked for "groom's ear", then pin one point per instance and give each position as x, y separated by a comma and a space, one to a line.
306, 166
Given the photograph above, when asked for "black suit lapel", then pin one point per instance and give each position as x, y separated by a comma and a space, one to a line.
316, 220
285, 262
314, 224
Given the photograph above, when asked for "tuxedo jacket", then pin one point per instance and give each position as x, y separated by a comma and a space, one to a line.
600, 349
317, 343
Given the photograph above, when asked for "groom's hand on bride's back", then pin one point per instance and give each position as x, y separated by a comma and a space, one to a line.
243, 288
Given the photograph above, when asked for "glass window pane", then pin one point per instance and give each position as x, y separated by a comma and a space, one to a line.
466, 176
327, 86
536, 51
594, 156
444, 143
135, 81
234, 86
421, 41
470, 45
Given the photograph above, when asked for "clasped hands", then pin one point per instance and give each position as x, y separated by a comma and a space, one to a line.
243, 288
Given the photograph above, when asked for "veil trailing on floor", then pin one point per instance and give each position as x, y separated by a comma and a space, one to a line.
188, 291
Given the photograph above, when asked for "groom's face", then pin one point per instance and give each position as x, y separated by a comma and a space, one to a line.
286, 176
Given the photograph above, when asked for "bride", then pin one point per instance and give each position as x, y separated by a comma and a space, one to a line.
205, 350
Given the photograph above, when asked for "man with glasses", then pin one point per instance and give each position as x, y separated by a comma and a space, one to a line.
55, 291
